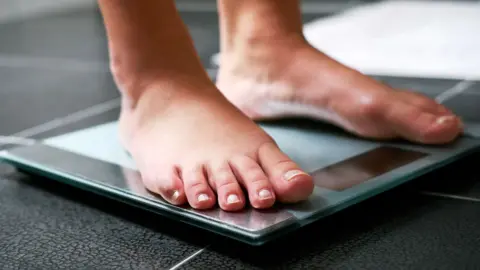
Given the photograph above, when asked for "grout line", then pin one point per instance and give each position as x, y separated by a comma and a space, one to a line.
51, 63
176, 266
69, 119
455, 90
450, 196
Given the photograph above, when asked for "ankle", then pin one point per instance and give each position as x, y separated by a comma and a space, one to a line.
250, 27
134, 83
263, 59
252, 21
255, 43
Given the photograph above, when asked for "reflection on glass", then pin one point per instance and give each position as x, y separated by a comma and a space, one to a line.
250, 219
361, 168
126, 185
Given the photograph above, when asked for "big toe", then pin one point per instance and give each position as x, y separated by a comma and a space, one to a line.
423, 123
290, 182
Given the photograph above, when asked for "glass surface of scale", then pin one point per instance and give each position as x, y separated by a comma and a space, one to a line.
346, 170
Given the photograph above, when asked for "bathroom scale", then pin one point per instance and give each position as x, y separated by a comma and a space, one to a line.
346, 170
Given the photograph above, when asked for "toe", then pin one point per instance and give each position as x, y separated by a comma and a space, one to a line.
199, 194
423, 102
419, 125
169, 186
249, 173
290, 182
229, 193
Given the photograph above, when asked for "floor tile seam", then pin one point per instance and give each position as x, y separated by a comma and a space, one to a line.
69, 119
189, 258
450, 196
455, 90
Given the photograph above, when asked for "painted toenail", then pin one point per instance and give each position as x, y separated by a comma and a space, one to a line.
265, 194
291, 174
175, 195
445, 119
232, 198
203, 197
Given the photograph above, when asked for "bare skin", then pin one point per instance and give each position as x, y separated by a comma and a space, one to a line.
190, 143
269, 71
195, 142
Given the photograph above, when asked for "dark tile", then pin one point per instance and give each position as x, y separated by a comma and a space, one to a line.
429, 87
6, 169
50, 226
75, 34
30, 96
80, 34
398, 230
474, 89
461, 179
466, 106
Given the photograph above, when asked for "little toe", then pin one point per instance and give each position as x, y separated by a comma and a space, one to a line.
290, 182
169, 187
249, 173
229, 193
198, 191
421, 126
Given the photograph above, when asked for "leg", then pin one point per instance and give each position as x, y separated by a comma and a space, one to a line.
268, 71
189, 143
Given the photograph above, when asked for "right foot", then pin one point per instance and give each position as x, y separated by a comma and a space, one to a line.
199, 149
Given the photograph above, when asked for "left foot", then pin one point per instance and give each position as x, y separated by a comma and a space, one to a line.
275, 81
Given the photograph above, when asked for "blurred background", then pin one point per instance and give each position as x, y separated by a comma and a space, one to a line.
11, 9
14, 9
58, 48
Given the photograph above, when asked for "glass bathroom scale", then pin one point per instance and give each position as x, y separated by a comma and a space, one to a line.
346, 170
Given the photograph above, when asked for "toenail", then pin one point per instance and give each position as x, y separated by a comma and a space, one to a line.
203, 197
232, 198
175, 195
265, 194
291, 174
445, 119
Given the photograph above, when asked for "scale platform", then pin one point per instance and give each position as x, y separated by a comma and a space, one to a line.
346, 170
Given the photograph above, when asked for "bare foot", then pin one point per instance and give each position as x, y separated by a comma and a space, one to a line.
189, 143
274, 81
200, 149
